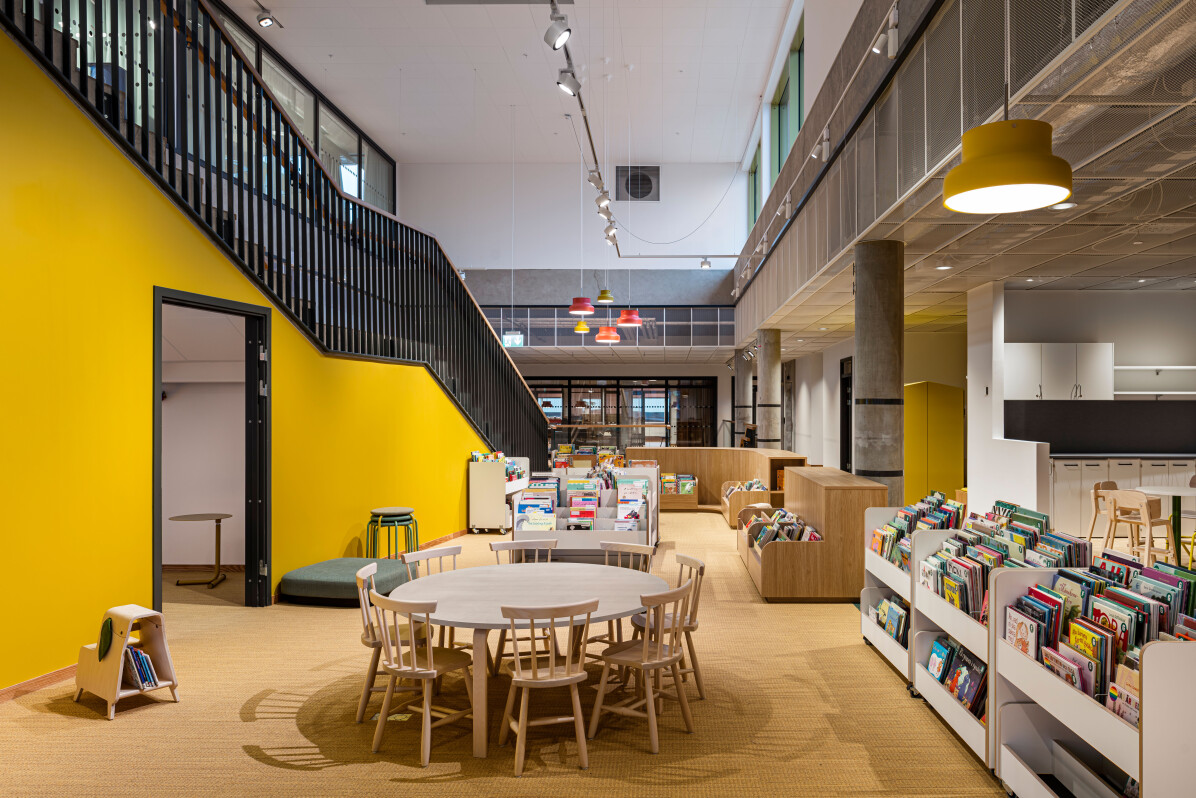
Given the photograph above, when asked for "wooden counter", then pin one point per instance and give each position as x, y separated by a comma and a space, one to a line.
715, 465
832, 569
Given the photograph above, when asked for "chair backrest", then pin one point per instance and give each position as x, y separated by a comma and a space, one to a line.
665, 622
523, 550
1192, 482
365, 585
692, 570
538, 656
627, 555
412, 559
1120, 501
409, 655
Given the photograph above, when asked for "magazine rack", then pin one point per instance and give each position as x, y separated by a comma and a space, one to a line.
106, 678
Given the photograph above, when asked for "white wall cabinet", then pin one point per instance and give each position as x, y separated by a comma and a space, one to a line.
1072, 481
1058, 371
1023, 371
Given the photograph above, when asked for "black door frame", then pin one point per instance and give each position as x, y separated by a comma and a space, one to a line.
257, 438
846, 404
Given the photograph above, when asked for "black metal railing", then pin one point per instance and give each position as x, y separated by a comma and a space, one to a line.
174, 90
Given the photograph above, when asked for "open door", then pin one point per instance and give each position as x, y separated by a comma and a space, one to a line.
212, 367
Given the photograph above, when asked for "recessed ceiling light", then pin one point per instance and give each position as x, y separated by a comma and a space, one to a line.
1142, 280
1137, 243
942, 268
1063, 206
800, 340
1029, 279
822, 328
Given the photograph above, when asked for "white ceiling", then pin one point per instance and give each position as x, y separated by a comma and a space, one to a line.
191, 335
620, 354
447, 83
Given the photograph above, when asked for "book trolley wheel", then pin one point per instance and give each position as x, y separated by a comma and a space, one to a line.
1008, 791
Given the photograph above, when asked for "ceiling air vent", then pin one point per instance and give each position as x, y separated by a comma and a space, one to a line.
637, 183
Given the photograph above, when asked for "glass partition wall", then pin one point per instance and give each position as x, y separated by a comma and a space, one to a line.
622, 412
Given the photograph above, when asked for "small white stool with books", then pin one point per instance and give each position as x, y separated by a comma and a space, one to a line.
130, 665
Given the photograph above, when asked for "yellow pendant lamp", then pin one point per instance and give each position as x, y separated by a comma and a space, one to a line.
581, 327
605, 297
1007, 167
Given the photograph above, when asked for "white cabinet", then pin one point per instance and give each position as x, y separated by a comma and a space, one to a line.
1154, 472
1058, 371
1066, 510
1023, 371
1094, 371
1126, 472
1092, 472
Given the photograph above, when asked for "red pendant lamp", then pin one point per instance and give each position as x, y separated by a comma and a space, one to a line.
630, 318
581, 306
607, 335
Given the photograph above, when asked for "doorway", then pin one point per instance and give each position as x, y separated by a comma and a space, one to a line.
845, 411
211, 450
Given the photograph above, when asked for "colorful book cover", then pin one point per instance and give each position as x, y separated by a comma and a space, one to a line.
1021, 632
1124, 703
1063, 668
1085, 666
940, 660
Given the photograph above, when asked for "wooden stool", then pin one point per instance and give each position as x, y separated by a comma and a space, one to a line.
107, 678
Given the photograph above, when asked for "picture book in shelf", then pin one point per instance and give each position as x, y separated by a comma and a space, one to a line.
892, 541
1093, 622
892, 615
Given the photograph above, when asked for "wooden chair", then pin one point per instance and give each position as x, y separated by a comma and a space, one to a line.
659, 649
538, 663
691, 570
433, 561
1133, 508
520, 551
1191, 544
621, 555
1099, 489
410, 655
369, 636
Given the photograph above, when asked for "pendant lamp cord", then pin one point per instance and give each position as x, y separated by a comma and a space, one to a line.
1007, 101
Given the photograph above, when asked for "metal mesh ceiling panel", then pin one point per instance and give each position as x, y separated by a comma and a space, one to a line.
911, 135
1038, 32
943, 108
865, 174
886, 151
983, 59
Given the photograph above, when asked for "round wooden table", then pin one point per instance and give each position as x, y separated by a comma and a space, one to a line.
471, 598
1176, 493
217, 577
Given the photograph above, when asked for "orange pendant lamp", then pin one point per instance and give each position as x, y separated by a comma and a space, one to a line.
607, 335
630, 318
581, 306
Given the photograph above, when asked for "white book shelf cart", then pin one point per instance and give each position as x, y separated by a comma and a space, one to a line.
883, 580
1048, 733
107, 678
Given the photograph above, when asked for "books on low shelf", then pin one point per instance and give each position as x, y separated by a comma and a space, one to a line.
961, 672
751, 484
892, 615
139, 669
781, 525
1087, 625
892, 541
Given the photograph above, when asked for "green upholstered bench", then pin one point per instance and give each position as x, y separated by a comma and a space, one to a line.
334, 581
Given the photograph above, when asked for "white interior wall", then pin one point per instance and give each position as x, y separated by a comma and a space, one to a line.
1015, 471
1146, 328
467, 207
826, 25
203, 470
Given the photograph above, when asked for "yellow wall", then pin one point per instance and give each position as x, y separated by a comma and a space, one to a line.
84, 238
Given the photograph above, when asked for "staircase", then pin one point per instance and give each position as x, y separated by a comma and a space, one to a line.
176, 93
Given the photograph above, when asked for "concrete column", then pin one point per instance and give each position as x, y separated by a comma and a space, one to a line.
745, 370
878, 451
768, 388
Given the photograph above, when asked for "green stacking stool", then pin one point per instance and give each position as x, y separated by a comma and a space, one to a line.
391, 519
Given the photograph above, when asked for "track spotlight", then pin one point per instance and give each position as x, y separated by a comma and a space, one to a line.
705, 264
610, 239
605, 213
595, 180
610, 229
822, 150
880, 46
602, 200
558, 32
567, 82
886, 43
265, 17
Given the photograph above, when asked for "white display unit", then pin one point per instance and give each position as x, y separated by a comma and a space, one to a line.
490, 493
1034, 709
932, 616
883, 579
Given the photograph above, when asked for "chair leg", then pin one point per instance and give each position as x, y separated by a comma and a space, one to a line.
383, 714
683, 700
598, 701
425, 735
521, 734
650, 706
504, 730
502, 644
370, 676
579, 728
693, 661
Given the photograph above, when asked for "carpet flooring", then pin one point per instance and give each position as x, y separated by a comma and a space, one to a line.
797, 705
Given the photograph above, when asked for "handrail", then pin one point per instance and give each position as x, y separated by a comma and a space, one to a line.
215, 20
356, 280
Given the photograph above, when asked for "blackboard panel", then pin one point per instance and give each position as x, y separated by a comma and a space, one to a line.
1112, 427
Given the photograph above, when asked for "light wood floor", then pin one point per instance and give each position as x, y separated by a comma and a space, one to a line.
797, 705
